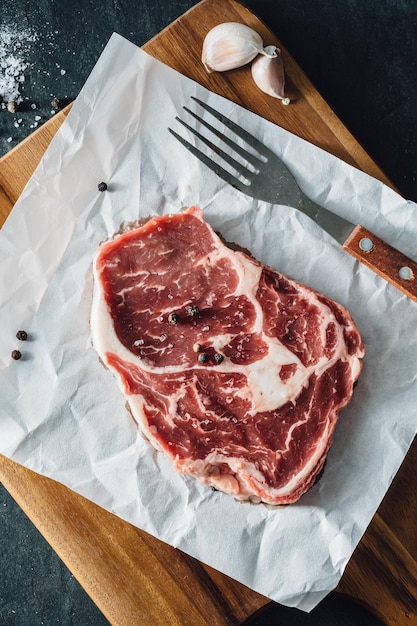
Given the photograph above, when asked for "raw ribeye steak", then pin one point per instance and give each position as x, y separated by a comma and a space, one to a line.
232, 369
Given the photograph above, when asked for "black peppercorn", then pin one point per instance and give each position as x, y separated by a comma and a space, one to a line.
55, 104
102, 186
173, 318
218, 357
16, 355
193, 311
22, 335
203, 357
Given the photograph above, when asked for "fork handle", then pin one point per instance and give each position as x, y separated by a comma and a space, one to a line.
383, 259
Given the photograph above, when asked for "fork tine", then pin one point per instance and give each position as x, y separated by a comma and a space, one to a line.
250, 157
238, 130
243, 171
217, 169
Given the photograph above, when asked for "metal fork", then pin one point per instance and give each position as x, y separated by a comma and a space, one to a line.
264, 176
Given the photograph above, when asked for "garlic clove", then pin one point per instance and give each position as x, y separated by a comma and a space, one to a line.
230, 45
268, 73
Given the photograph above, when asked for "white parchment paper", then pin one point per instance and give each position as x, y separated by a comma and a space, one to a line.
61, 411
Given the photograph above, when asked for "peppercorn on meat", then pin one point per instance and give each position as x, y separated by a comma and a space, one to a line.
233, 370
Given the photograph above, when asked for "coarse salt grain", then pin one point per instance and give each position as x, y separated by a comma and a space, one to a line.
12, 63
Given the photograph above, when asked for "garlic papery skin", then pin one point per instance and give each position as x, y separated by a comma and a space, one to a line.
268, 73
230, 45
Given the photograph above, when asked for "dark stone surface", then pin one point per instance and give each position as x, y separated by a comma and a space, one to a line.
361, 55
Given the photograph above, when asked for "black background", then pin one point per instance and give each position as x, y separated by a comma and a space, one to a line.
360, 55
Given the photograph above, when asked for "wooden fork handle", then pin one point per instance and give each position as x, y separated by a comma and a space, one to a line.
383, 259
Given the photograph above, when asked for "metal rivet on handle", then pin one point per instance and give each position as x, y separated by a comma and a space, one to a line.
406, 273
366, 244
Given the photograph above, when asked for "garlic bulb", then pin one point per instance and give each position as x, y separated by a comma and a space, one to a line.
268, 73
230, 45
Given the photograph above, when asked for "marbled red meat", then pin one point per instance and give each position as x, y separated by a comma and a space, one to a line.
256, 421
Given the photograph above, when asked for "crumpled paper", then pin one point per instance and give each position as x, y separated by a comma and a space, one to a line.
61, 412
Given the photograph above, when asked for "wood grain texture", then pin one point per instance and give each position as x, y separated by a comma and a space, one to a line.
384, 260
133, 577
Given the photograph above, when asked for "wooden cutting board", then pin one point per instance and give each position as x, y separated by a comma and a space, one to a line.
133, 577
